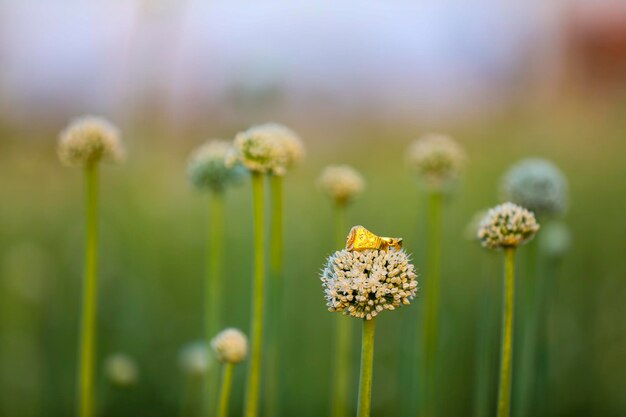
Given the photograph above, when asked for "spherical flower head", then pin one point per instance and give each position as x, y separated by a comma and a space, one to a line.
230, 345
538, 185
507, 226
208, 168
267, 148
89, 140
342, 183
291, 142
363, 283
193, 359
121, 370
437, 158
556, 239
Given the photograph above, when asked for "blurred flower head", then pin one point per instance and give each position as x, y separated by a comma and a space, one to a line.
362, 284
437, 158
556, 239
472, 228
121, 370
230, 345
507, 226
268, 148
291, 142
342, 183
90, 139
538, 185
207, 168
193, 359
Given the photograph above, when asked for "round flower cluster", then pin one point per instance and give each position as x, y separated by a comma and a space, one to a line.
268, 148
88, 140
361, 284
341, 182
230, 345
507, 226
207, 168
193, 359
437, 158
556, 239
121, 370
538, 185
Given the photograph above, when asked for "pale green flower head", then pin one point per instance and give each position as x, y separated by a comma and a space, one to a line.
291, 142
342, 183
556, 239
121, 370
208, 168
269, 148
193, 359
507, 226
364, 283
438, 160
538, 185
230, 346
89, 140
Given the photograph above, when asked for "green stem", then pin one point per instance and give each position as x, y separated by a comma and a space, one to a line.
275, 305
504, 393
543, 342
227, 382
431, 302
190, 404
529, 326
343, 336
87, 341
367, 365
213, 295
254, 371
485, 350
340, 225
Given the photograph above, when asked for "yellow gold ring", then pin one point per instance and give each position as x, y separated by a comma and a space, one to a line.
360, 238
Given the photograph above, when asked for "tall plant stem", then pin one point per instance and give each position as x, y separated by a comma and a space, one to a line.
486, 344
253, 386
87, 342
343, 336
367, 365
543, 343
274, 324
213, 286
530, 309
227, 382
431, 303
504, 392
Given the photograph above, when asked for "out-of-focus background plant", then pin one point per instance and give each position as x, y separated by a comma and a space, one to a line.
358, 81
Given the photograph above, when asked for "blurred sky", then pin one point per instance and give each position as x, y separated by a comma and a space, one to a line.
62, 57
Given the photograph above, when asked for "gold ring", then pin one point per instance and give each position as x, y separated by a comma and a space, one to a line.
360, 238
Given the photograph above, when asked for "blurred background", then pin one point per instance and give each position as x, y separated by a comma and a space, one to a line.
359, 80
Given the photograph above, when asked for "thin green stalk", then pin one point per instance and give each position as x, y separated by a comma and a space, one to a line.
227, 382
190, 402
543, 342
253, 385
431, 303
273, 388
525, 380
87, 343
485, 352
367, 365
213, 286
343, 337
506, 371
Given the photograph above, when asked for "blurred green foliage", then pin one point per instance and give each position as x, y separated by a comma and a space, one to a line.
152, 246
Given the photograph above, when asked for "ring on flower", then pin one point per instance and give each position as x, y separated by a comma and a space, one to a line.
360, 238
